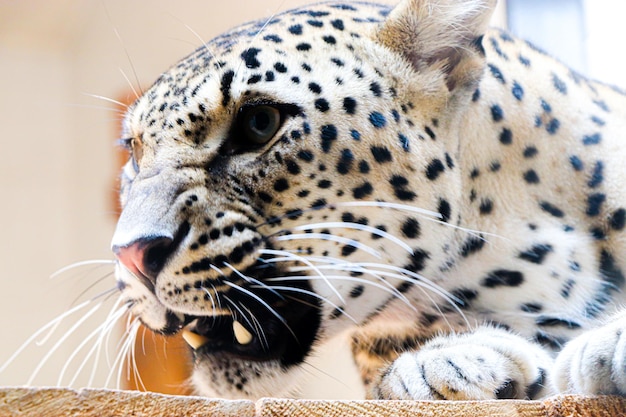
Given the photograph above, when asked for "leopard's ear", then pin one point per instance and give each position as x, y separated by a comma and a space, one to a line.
440, 34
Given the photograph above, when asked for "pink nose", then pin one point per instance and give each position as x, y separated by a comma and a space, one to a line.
145, 257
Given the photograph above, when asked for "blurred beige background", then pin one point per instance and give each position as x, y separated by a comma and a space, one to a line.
57, 152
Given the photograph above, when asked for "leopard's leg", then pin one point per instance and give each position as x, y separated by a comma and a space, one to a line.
486, 363
595, 361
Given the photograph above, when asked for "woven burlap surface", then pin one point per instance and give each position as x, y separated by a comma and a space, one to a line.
60, 402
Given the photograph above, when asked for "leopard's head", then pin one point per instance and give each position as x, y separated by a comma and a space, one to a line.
292, 178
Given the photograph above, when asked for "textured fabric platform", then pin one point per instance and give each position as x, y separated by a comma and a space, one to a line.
58, 402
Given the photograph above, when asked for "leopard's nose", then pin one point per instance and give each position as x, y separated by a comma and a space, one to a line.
145, 257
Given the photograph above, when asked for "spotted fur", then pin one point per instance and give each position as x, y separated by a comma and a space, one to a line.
450, 193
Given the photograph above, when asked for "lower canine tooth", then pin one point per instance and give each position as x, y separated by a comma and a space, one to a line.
242, 335
194, 340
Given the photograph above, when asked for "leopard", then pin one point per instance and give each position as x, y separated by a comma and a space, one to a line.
450, 196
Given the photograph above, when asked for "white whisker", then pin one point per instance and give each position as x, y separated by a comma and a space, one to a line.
107, 99
98, 262
49, 327
306, 262
314, 295
357, 226
113, 316
61, 340
331, 238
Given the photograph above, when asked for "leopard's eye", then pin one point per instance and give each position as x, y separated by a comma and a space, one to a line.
259, 124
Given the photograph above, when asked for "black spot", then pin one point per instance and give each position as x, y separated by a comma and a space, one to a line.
486, 206
497, 74
559, 84
553, 126
463, 296
417, 260
536, 254
476, 95
531, 307
272, 38
594, 204
523, 60
357, 291
255, 79
610, 271
592, 139
411, 228
517, 90
552, 342
303, 46
435, 167
315, 23
322, 105
577, 164
318, 204
329, 39
349, 105
495, 166
597, 175
324, 184
449, 161
377, 120
404, 142
530, 152
602, 105
315, 88
399, 183
497, 114
375, 89
227, 80
381, 154
328, 135
250, 57
548, 321
347, 250
472, 245
506, 136
503, 278
295, 29
362, 191
551, 209
444, 209
344, 165
280, 67
292, 167
430, 133
281, 184
598, 121
617, 221
531, 177
364, 167
337, 24
306, 156
264, 196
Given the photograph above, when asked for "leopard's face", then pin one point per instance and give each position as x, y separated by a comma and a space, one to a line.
286, 181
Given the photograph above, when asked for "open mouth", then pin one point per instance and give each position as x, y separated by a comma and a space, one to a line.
260, 336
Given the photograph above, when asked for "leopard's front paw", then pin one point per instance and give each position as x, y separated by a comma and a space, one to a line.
594, 362
486, 364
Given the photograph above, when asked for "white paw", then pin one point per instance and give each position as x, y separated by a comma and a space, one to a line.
594, 362
486, 364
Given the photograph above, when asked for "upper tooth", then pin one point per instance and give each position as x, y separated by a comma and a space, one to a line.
194, 340
242, 334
